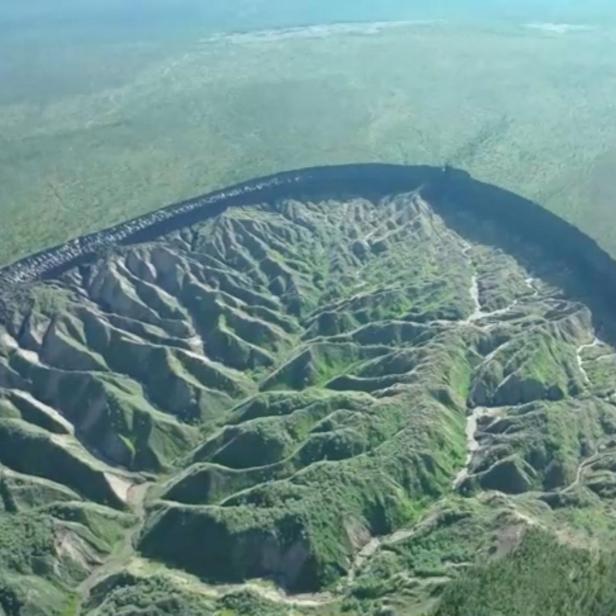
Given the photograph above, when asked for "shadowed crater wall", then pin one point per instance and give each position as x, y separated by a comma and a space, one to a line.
450, 191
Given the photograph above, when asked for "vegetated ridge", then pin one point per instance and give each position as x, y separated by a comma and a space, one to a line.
364, 389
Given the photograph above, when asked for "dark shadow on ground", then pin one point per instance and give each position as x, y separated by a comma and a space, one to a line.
551, 248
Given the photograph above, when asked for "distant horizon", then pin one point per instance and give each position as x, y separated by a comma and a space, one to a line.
243, 15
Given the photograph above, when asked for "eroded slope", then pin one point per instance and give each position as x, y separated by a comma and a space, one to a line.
298, 391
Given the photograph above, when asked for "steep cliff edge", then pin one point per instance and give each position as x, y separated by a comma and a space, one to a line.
446, 187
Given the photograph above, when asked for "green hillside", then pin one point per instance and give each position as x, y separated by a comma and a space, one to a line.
319, 406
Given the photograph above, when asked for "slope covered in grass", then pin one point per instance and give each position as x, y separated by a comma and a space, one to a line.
315, 405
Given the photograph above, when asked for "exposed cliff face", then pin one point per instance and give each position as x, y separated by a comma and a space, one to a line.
354, 180
282, 380
446, 188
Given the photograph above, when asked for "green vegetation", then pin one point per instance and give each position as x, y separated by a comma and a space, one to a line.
317, 408
157, 596
126, 127
38, 571
541, 576
25, 539
305, 408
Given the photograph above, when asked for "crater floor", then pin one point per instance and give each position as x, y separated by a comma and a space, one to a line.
325, 406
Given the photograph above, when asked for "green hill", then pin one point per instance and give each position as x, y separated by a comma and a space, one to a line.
354, 403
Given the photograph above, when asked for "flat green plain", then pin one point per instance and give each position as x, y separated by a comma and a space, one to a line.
95, 131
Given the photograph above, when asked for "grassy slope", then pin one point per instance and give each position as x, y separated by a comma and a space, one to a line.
352, 427
129, 127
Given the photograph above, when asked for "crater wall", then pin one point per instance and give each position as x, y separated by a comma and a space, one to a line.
446, 188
